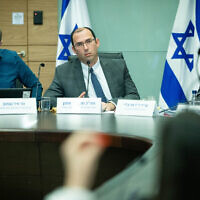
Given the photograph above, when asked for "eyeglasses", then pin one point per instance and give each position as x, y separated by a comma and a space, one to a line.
81, 44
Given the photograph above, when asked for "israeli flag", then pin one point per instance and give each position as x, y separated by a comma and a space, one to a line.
74, 14
181, 71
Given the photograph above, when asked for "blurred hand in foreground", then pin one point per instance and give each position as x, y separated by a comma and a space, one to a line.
80, 155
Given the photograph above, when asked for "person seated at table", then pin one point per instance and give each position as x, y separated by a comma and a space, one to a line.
180, 160
109, 78
13, 68
80, 154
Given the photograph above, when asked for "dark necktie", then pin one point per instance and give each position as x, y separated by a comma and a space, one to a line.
97, 87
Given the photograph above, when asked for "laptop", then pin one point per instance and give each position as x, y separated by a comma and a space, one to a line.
15, 92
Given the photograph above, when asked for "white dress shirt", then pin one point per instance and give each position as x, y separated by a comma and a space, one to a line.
64, 193
101, 78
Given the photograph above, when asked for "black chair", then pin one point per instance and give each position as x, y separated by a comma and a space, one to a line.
112, 55
19, 84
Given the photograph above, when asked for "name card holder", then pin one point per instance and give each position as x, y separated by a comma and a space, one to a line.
79, 105
188, 107
136, 107
18, 106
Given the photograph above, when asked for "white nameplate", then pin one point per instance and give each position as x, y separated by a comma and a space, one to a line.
187, 107
135, 107
79, 105
18, 106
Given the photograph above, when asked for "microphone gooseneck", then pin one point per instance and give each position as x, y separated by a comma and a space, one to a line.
88, 63
168, 109
198, 75
41, 65
173, 107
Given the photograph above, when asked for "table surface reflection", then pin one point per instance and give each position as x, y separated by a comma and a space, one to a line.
106, 123
32, 141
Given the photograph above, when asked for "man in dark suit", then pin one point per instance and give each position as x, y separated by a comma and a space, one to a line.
71, 78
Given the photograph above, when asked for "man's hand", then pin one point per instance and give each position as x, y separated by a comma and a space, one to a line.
82, 95
108, 106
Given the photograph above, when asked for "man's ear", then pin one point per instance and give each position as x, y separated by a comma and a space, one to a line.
73, 49
97, 42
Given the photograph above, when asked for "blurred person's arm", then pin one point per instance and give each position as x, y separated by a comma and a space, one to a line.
80, 155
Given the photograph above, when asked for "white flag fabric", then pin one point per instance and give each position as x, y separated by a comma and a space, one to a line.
180, 75
74, 14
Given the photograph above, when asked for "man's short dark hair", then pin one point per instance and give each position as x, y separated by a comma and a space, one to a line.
77, 30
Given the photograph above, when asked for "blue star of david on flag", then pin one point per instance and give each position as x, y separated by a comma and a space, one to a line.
180, 76
74, 14
65, 52
180, 39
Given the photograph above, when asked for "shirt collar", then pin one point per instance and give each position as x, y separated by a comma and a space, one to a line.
95, 66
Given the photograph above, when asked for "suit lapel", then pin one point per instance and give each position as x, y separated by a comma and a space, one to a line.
79, 80
107, 70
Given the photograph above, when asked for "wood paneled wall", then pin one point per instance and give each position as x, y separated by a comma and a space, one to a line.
38, 41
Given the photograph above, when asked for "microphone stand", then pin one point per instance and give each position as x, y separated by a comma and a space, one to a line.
41, 65
198, 75
88, 63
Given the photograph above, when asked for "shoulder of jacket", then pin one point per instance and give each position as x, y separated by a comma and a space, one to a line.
68, 64
112, 61
8, 52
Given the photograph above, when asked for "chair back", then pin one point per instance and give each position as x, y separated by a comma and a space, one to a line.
110, 55
19, 84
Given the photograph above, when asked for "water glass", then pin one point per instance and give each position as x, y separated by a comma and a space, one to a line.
45, 103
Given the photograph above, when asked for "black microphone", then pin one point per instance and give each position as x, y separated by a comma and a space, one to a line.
175, 106
198, 54
88, 63
198, 75
168, 109
41, 65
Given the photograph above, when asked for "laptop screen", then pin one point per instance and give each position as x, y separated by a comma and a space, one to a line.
15, 92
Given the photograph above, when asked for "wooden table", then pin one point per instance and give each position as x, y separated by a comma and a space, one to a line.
29, 149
